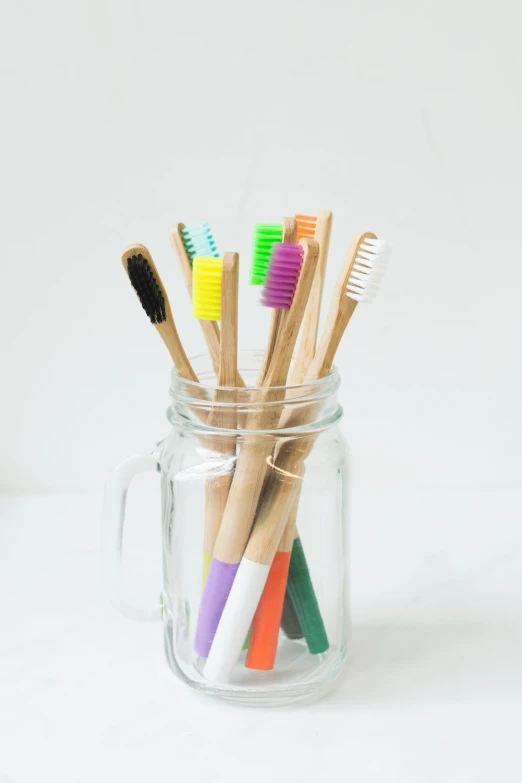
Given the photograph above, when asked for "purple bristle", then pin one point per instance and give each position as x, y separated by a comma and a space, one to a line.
283, 274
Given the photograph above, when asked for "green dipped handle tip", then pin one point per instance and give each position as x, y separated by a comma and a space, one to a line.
302, 594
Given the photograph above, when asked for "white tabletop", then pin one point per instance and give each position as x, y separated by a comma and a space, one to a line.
432, 692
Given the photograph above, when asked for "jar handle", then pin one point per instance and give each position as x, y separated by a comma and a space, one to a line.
113, 523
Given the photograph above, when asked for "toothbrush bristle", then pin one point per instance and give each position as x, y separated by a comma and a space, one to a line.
283, 275
266, 235
305, 226
368, 269
144, 283
206, 288
198, 241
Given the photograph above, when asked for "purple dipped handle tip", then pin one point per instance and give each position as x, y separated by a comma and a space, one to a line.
215, 593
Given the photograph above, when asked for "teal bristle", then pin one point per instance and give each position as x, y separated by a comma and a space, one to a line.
266, 235
198, 241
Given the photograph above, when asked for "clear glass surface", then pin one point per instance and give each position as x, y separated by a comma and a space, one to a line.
212, 430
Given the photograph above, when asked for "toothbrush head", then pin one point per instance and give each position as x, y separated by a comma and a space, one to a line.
198, 241
145, 281
206, 288
282, 276
306, 225
265, 237
367, 268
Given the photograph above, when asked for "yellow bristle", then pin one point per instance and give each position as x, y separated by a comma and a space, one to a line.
206, 288
305, 226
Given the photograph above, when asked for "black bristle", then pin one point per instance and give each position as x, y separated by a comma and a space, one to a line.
149, 293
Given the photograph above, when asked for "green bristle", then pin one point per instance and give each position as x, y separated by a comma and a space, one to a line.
265, 237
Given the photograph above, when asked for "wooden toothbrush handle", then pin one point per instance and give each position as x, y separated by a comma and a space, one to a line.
245, 490
332, 335
218, 484
278, 501
308, 339
255, 456
222, 416
275, 326
290, 531
169, 334
217, 489
212, 337
254, 461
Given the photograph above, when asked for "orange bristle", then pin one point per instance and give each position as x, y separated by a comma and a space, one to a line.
305, 226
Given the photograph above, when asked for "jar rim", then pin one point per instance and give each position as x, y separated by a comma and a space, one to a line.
184, 390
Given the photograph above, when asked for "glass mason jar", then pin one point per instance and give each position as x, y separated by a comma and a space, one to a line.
254, 487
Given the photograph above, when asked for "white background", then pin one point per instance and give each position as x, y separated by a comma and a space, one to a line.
404, 118
120, 118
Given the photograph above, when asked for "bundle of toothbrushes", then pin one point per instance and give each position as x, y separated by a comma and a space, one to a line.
258, 589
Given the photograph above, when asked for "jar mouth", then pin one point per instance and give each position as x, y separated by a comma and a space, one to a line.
249, 362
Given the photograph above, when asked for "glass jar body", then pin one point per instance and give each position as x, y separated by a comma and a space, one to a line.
269, 502
191, 458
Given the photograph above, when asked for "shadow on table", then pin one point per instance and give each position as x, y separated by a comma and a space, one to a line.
392, 662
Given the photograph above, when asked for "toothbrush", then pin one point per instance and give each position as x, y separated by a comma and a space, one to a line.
266, 236
263, 647
300, 588
188, 243
215, 296
149, 287
320, 229
263, 247
256, 452
358, 282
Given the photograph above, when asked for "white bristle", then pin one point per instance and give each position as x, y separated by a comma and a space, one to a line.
368, 269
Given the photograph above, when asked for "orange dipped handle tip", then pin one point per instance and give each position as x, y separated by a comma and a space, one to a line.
267, 620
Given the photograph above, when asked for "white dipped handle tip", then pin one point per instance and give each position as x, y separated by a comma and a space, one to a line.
235, 621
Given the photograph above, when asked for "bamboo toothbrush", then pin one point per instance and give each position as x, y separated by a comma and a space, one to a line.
263, 646
290, 231
358, 282
261, 245
253, 461
319, 228
149, 287
215, 295
189, 242
355, 280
